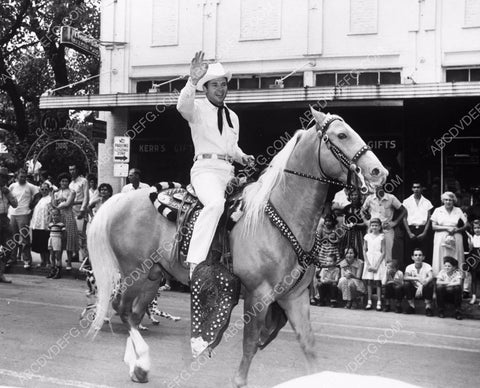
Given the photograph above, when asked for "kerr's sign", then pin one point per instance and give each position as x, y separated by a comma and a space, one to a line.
79, 41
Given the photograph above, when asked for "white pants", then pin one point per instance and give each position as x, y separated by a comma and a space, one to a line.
209, 177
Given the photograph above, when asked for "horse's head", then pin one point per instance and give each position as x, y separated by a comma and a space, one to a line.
342, 152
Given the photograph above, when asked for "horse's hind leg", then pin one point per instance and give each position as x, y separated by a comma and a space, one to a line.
133, 305
254, 322
298, 312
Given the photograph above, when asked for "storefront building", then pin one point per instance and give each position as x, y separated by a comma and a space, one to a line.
405, 74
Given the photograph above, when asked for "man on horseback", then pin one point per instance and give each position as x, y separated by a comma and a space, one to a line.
215, 130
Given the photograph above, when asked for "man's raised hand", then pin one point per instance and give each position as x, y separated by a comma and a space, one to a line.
198, 67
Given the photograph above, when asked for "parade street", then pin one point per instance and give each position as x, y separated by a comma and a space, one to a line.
42, 344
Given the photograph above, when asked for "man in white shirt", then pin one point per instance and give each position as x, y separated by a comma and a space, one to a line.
80, 185
215, 130
383, 205
417, 222
23, 192
135, 184
418, 282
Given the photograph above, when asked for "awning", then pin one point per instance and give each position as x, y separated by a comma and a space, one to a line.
356, 95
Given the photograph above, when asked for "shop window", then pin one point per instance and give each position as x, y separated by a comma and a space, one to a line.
347, 79
265, 82
474, 75
326, 79
233, 84
389, 78
248, 83
368, 78
294, 81
457, 75
143, 86
177, 85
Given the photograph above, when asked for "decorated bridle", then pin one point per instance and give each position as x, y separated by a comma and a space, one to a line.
350, 164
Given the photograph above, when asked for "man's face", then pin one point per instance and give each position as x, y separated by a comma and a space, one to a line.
22, 177
133, 177
416, 189
73, 171
418, 257
216, 90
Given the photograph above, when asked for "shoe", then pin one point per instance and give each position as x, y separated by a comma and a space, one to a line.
57, 274
428, 312
3, 279
441, 314
348, 305
369, 305
27, 266
410, 310
166, 287
51, 273
386, 309
398, 309
333, 304
379, 306
313, 302
68, 268
458, 315
473, 300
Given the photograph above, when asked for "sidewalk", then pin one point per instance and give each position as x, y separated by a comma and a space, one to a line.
17, 268
469, 311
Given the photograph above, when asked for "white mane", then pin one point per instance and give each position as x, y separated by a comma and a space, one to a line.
256, 194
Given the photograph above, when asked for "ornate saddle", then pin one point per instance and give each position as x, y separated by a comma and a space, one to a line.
215, 289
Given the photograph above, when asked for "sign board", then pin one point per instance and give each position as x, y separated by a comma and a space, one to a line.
79, 41
3, 148
121, 149
99, 130
120, 169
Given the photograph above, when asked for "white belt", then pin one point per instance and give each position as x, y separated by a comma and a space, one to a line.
226, 158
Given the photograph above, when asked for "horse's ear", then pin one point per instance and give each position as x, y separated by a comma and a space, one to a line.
317, 115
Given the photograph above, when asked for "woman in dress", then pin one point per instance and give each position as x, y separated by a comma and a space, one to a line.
63, 200
448, 223
351, 283
354, 226
39, 225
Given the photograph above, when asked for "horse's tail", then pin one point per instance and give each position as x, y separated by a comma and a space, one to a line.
104, 262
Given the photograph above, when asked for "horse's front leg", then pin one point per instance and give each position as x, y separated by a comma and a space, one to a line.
297, 309
251, 336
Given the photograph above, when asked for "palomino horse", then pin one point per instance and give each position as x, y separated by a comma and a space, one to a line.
127, 233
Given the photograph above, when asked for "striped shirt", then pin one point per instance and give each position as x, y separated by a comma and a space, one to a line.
56, 229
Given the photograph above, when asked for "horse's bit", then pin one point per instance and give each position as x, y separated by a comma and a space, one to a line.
350, 164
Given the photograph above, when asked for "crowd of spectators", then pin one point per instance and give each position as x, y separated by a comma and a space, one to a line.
362, 252
38, 216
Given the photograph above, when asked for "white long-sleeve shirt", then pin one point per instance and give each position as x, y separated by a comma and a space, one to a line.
202, 118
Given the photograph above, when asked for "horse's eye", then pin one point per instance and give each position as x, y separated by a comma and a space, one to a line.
342, 136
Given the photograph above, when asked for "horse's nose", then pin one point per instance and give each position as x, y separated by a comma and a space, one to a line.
375, 171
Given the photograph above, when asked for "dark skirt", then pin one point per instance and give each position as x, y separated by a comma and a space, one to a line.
40, 240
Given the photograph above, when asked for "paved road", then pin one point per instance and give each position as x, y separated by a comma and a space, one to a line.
38, 316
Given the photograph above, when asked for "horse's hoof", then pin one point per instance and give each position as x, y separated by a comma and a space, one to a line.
238, 382
139, 375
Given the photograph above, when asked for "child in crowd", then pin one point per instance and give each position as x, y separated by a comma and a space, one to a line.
418, 283
393, 287
449, 282
375, 268
57, 230
351, 283
327, 286
472, 262
328, 239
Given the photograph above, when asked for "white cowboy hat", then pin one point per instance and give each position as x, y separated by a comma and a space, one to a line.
215, 70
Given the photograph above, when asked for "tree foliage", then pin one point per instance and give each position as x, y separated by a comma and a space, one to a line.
32, 60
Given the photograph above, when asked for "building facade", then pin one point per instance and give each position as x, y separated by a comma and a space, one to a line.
405, 74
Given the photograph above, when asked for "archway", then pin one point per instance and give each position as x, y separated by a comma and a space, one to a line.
51, 135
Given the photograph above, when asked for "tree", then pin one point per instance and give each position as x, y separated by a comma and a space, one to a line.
32, 60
